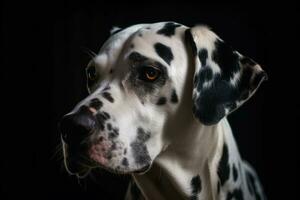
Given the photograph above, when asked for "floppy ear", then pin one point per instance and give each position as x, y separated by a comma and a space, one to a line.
223, 79
115, 30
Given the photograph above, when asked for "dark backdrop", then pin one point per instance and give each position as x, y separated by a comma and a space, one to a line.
42, 78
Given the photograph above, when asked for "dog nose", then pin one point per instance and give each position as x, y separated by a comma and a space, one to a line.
77, 126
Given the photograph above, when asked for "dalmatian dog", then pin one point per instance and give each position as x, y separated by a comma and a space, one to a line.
158, 99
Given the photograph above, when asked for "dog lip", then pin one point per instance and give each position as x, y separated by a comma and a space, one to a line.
78, 165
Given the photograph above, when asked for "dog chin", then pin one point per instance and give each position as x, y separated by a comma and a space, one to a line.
125, 171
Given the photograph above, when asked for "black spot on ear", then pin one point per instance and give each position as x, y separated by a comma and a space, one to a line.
140, 35
223, 168
108, 96
164, 52
111, 71
236, 194
203, 54
226, 58
234, 172
174, 97
161, 101
196, 187
125, 162
205, 75
132, 46
168, 29
96, 104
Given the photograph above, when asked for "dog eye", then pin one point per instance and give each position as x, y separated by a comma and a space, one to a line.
148, 73
91, 73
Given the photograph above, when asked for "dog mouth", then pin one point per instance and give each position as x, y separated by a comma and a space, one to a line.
80, 161
79, 166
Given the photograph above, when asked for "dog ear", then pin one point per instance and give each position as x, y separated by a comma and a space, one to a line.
223, 79
115, 30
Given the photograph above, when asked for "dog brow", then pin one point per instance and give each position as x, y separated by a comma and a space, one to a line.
137, 57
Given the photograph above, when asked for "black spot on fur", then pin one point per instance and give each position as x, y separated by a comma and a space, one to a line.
125, 162
142, 135
96, 104
196, 187
112, 135
236, 194
107, 87
106, 115
108, 96
168, 29
234, 172
140, 153
190, 40
139, 149
161, 101
109, 127
203, 54
125, 151
101, 118
164, 52
174, 97
137, 57
223, 168
226, 58
113, 146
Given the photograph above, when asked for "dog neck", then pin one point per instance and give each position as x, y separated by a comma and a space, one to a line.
196, 154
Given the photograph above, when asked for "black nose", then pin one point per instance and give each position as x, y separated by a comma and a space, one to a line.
77, 126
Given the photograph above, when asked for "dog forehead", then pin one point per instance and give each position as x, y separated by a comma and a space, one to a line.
140, 37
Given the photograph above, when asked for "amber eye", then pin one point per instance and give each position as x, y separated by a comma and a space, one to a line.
149, 73
91, 73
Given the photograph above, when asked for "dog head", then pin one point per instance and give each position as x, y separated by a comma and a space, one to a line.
138, 82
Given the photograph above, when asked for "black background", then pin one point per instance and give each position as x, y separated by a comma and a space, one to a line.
42, 78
